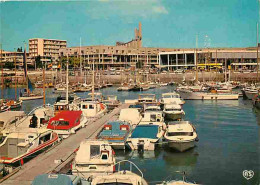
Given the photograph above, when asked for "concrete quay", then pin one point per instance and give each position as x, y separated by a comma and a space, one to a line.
64, 151
118, 79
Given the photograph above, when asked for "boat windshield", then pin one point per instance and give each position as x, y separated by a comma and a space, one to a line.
173, 109
180, 133
171, 96
60, 123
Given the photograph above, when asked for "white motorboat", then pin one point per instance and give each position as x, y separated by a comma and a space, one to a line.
172, 97
94, 157
24, 144
181, 135
148, 132
147, 99
122, 176
66, 123
249, 92
200, 95
173, 112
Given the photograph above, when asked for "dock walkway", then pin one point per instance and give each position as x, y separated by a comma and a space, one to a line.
45, 162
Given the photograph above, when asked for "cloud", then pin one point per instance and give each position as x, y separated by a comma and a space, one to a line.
160, 9
108, 8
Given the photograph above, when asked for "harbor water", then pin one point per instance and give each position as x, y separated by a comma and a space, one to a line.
228, 141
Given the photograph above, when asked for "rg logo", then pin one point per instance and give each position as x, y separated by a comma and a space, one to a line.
248, 174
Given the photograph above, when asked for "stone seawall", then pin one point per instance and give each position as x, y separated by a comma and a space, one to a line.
118, 79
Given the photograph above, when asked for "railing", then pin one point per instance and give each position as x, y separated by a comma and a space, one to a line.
131, 166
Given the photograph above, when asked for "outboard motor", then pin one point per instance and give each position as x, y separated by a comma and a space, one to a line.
140, 146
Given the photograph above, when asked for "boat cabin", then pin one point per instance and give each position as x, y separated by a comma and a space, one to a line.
147, 99
91, 108
60, 107
65, 120
153, 116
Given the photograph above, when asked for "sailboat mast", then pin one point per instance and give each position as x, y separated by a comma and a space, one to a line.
257, 60
196, 59
43, 87
2, 75
27, 78
67, 81
80, 63
15, 78
93, 80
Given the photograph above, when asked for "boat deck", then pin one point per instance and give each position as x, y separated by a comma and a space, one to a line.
45, 162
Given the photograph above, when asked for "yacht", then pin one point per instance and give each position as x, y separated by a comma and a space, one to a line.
249, 92
24, 144
172, 97
122, 176
188, 94
116, 133
66, 123
181, 135
148, 132
148, 99
173, 112
93, 158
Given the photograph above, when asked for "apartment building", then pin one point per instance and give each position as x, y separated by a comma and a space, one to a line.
46, 48
13, 56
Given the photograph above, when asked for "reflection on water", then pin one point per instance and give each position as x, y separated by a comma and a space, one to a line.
229, 141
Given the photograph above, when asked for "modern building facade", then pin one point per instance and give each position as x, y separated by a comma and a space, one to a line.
46, 48
14, 57
236, 58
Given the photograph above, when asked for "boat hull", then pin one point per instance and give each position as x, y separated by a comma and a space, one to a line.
173, 117
30, 98
189, 95
249, 95
20, 160
181, 146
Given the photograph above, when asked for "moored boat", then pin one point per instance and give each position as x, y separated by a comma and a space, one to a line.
66, 123
93, 158
172, 97
122, 176
191, 95
21, 146
116, 133
173, 112
148, 132
181, 135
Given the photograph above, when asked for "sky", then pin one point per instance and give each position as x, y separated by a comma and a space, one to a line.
165, 23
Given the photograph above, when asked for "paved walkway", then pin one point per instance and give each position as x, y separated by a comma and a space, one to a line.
44, 163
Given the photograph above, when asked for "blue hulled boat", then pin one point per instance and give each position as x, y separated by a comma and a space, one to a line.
116, 133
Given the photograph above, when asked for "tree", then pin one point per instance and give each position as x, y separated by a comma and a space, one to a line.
38, 62
20, 49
